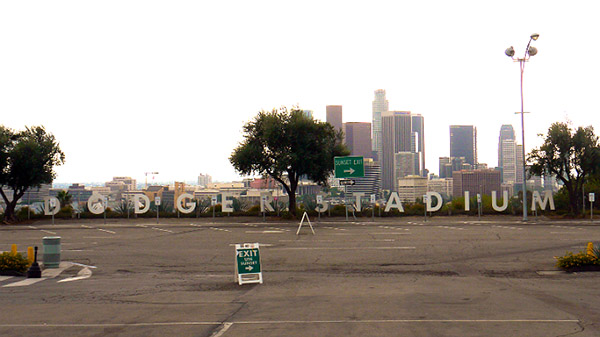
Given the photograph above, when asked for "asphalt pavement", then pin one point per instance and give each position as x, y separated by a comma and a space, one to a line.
447, 276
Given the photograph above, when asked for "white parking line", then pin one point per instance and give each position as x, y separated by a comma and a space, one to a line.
81, 275
4, 278
106, 231
219, 229
373, 321
455, 228
343, 248
163, 230
25, 282
266, 232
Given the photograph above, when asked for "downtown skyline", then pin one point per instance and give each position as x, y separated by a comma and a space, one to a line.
136, 87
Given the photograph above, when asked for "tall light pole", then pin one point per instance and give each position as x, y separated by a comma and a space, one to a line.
529, 51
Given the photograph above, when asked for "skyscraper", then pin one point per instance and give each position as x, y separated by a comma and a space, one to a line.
357, 137
463, 143
334, 116
418, 129
508, 158
506, 133
396, 137
380, 105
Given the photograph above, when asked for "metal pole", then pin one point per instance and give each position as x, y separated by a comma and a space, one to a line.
522, 65
346, 200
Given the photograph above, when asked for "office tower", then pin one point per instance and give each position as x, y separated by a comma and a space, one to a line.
418, 129
405, 164
412, 188
371, 182
380, 105
308, 113
204, 180
508, 158
451, 164
519, 151
476, 181
357, 137
334, 116
463, 143
396, 137
506, 133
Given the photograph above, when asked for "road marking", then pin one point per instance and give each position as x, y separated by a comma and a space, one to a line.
81, 275
565, 233
382, 321
448, 227
142, 226
390, 233
343, 248
4, 278
221, 331
54, 272
161, 229
106, 231
219, 229
25, 282
86, 226
266, 232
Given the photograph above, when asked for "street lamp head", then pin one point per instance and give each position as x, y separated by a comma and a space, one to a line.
532, 51
510, 52
535, 36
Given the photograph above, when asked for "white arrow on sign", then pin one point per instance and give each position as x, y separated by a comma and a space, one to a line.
249, 268
350, 170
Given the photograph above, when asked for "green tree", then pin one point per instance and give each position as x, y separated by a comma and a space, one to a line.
571, 156
286, 145
27, 159
64, 198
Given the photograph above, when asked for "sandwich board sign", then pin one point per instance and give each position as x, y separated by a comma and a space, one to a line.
247, 263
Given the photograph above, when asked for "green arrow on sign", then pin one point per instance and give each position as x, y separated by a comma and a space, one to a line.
349, 167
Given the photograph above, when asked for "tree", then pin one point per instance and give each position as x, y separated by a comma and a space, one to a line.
27, 159
571, 156
64, 198
287, 145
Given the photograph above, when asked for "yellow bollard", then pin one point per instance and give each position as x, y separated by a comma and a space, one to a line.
13, 249
590, 249
30, 256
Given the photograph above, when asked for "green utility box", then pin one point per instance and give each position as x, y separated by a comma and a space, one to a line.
51, 246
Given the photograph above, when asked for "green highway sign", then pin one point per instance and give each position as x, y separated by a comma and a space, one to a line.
349, 167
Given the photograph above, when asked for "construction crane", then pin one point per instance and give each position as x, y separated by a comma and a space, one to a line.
147, 173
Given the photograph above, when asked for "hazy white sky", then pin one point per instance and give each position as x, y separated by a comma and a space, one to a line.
134, 86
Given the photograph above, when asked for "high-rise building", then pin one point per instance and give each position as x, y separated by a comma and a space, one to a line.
405, 164
371, 182
308, 113
506, 133
334, 116
508, 158
380, 105
204, 180
451, 164
412, 188
396, 137
463, 143
418, 129
357, 137
476, 181
519, 155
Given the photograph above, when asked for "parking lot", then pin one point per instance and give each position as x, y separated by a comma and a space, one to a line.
447, 276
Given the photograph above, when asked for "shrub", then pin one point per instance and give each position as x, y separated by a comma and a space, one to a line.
13, 262
580, 259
